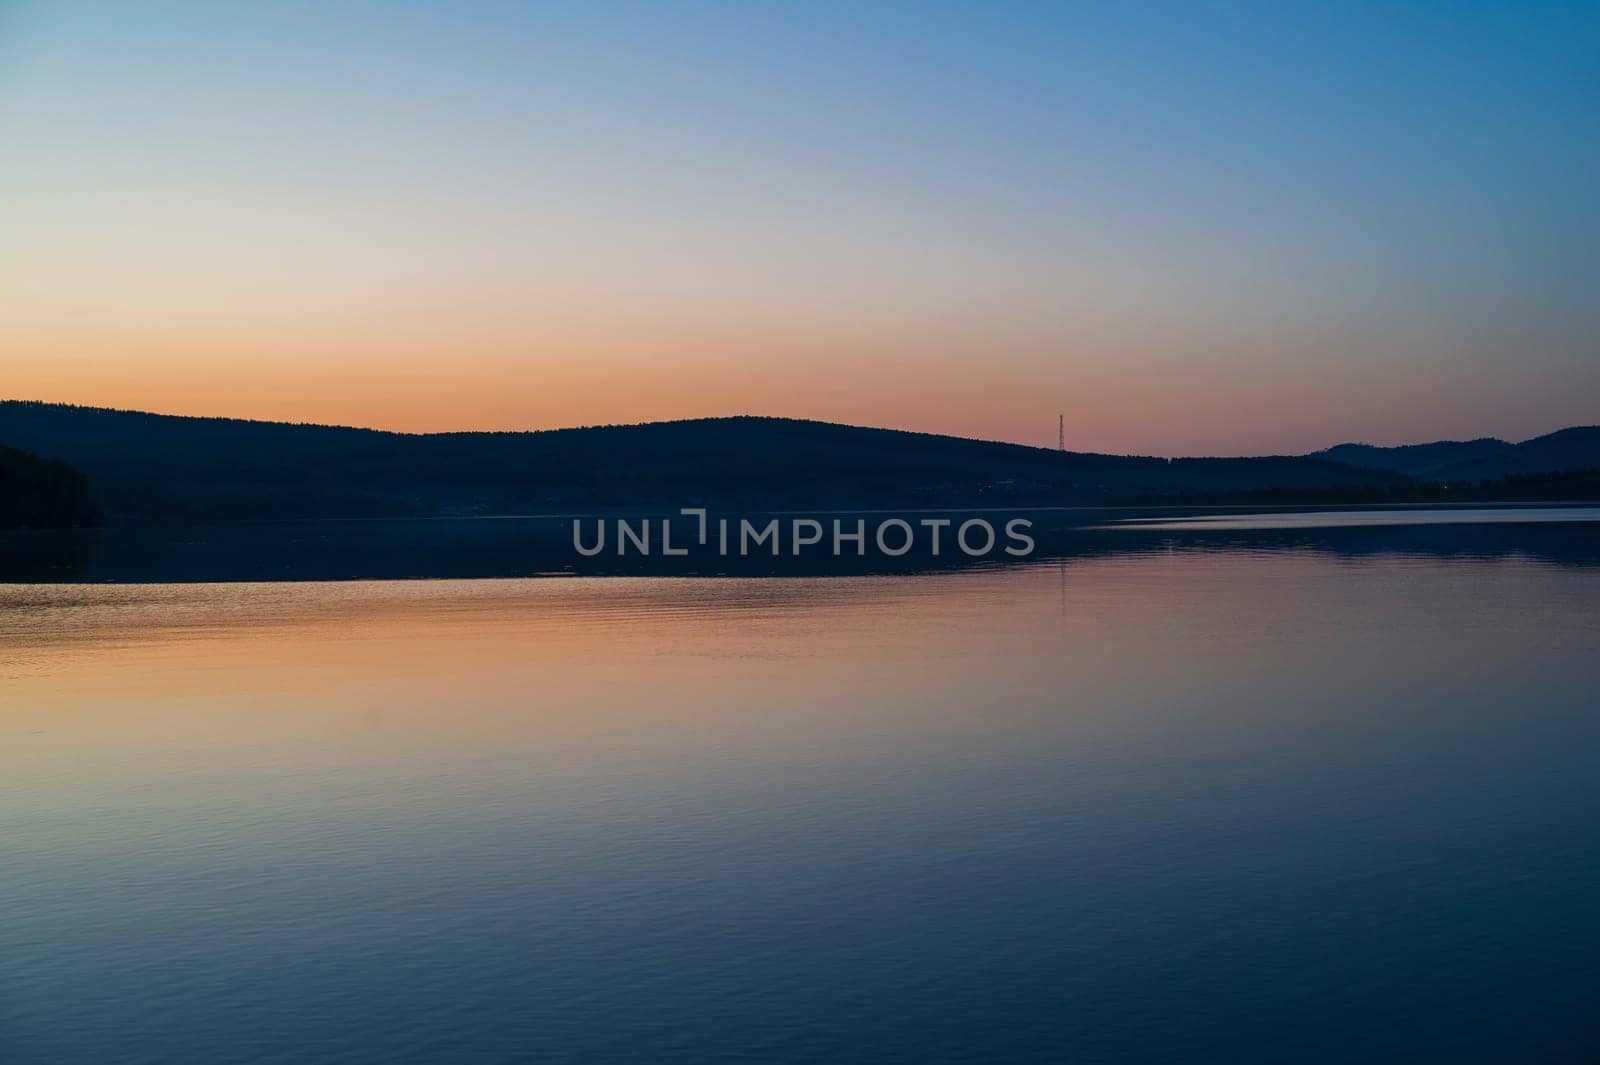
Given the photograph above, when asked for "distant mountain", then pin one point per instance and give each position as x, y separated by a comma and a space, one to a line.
151, 467
1484, 459
42, 493
1422, 461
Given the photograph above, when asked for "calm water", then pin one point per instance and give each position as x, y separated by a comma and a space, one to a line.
1369, 517
1190, 804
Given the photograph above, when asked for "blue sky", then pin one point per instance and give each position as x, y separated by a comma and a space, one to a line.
1194, 228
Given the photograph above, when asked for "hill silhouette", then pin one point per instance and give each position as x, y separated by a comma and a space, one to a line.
38, 493
1487, 458
164, 467
153, 467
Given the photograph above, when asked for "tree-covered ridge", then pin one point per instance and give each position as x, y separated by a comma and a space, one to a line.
163, 468
1485, 459
152, 467
37, 493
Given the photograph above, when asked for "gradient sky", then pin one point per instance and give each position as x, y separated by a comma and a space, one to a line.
1193, 229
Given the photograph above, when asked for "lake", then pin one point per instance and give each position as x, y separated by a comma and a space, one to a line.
1270, 792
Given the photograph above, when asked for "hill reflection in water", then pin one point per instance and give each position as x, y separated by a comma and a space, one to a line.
542, 545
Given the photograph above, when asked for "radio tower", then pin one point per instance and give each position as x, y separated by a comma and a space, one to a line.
1061, 432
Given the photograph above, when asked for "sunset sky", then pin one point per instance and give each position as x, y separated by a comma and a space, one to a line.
1192, 232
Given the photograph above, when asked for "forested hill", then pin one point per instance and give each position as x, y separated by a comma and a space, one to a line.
1577, 448
38, 493
162, 467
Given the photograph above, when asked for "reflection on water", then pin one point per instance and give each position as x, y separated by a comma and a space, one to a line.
1373, 516
1221, 805
542, 545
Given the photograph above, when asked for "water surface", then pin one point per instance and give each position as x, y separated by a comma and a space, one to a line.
1191, 803
1369, 516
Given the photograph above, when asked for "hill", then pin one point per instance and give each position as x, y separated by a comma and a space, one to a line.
152, 467
38, 493
1484, 459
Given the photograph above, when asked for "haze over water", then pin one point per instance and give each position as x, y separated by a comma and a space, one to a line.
1227, 805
